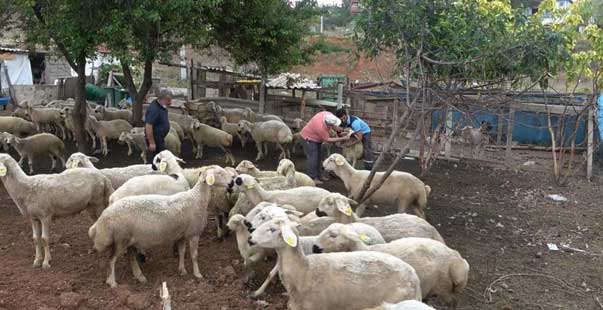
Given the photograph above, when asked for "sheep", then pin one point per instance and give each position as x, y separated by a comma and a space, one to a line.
405, 305
43, 197
233, 129
269, 131
305, 199
67, 116
353, 152
46, 116
257, 117
42, 143
247, 167
219, 202
243, 204
17, 126
147, 221
186, 124
105, 130
441, 270
118, 176
343, 277
178, 129
476, 138
212, 137
157, 184
392, 227
401, 188
21, 112
109, 114
234, 115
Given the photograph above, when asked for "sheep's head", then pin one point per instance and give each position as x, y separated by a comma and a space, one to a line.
333, 203
223, 120
246, 167
65, 112
9, 139
6, 161
167, 162
298, 123
243, 182
336, 238
123, 137
3, 137
270, 212
80, 160
285, 166
215, 176
236, 223
196, 125
244, 126
274, 234
333, 162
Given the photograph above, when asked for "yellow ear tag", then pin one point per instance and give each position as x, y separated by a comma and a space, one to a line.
364, 238
250, 186
289, 236
339, 161
2, 171
162, 166
210, 180
344, 208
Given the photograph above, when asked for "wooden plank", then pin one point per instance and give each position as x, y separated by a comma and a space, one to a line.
11, 90
448, 145
511, 122
499, 128
589, 152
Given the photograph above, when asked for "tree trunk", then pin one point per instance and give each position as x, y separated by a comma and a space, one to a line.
80, 111
262, 106
138, 95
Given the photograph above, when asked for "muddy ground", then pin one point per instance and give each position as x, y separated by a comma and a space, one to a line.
499, 221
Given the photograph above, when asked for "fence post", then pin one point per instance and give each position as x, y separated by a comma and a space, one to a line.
589, 151
262, 96
499, 128
448, 145
339, 96
511, 123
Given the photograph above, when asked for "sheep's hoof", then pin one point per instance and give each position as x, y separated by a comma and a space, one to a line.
111, 283
45, 265
37, 263
198, 276
254, 295
183, 272
142, 279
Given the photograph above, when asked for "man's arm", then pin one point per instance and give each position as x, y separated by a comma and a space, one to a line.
338, 139
148, 129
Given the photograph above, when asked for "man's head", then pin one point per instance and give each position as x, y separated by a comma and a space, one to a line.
165, 98
342, 115
332, 121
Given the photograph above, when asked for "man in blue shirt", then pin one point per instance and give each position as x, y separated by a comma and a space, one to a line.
362, 132
157, 125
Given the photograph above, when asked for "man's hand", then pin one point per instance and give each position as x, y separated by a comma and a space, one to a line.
152, 147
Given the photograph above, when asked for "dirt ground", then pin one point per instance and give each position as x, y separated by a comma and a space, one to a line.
500, 221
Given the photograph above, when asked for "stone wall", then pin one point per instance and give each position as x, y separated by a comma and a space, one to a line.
35, 93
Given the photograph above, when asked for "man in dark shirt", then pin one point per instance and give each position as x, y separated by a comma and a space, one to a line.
157, 125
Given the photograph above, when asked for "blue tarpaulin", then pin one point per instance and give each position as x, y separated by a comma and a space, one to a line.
600, 115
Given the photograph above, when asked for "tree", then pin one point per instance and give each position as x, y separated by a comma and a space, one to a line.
144, 31
269, 33
69, 26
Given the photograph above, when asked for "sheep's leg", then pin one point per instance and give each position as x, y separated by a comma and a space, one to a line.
283, 151
54, 163
135, 267
260, 153
129, 148
104, 145
269, 279
62, 128
37, 234
265, 148
200, 151
30, 162
181, 253
194, 244
144, 157
46, 241
360, 209
117, 252
21, 158
242, 139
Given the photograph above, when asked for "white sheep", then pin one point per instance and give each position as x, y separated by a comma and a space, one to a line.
353, 152
186, 124
441, 270
17, 126
158, 184
206, 135
118, 175
110, 114
392, 227
233, 129
106, 130
243, 205
43, 197
475, 138
247, 167
405, 305
143, 222
403, 189
270, 131
67, 116
38, 144
46, 116
21, 112
305, 199
337, 280
233, 115
257, 117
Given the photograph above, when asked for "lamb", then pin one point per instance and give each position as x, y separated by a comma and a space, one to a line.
392, 227
269, 131
234, 115
157, 184
343, 276
109, 114
247, 167
401, 188
305, 199
233, 129
46, 116
219, 202
118, 176
441, 270
147, 221
17, 126
353, 152
43, 197
105, 130
212, 137
257, 117
42, 143
405, 305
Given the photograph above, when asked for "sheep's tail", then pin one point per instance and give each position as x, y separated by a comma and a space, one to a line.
459, 273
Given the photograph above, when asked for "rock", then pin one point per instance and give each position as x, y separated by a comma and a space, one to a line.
71, 299
138, 301
500, 225
262, 303
538, 254
229, 270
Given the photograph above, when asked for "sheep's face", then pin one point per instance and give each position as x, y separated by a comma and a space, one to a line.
333, 162
267, 214
9, 139
216, 176
334, 203
298, 123
245, 167
236, 222
244, 126
243, 182
274, 234
336, 238
166, 159
196, 125
4, 159
285, 166
123, 137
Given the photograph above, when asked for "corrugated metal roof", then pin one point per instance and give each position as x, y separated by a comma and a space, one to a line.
12, 50
222, 69
292, 81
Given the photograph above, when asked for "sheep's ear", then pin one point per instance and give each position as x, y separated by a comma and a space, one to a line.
344, 208
210, 179
352, 202
180, 160
288, 235
3, 170
364, 238
92, 159
293, 212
